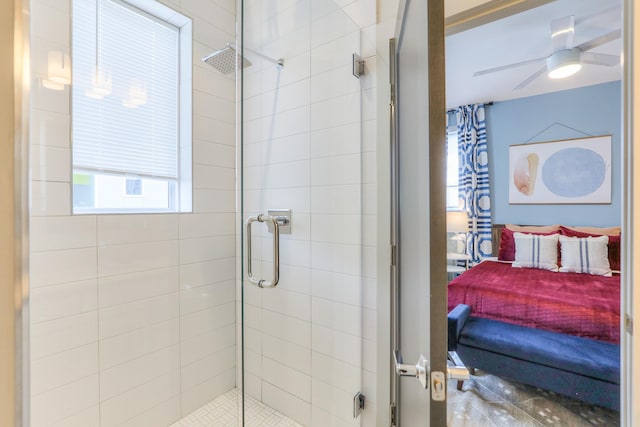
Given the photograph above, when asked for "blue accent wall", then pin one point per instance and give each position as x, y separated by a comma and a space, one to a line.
577, 113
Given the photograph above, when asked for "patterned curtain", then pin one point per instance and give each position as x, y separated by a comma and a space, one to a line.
473, 177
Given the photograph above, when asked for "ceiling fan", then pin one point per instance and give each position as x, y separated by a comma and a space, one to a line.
565, 59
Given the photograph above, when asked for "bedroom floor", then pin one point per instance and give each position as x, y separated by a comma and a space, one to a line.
486, 400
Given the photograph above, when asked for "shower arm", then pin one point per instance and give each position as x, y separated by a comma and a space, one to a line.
278, 62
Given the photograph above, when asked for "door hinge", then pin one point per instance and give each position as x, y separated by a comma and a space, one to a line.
394, 255
358, 66
628, 324
392, 416
358, 404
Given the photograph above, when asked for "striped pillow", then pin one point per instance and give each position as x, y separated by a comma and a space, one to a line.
536, 251
585, 255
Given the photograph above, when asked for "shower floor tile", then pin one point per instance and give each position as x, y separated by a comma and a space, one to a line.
225, 412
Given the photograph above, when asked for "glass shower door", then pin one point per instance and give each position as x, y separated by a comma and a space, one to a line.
308, 282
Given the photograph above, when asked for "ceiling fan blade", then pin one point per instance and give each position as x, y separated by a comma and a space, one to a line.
531, 78
507, 67
562, 30
600, 59
598, 41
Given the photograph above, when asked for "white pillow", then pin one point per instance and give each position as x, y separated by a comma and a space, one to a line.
536, 251
585, 255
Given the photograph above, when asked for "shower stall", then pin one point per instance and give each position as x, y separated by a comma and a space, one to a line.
257, 306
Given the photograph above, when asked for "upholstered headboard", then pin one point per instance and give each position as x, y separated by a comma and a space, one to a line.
496, 231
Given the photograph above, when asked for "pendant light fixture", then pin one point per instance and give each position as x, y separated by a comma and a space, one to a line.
101, 81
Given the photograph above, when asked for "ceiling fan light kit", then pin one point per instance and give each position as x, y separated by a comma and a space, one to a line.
565, 59
564, 63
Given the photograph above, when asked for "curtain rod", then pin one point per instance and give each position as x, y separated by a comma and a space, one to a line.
486, 104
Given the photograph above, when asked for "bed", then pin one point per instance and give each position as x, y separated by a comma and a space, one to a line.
543, 312
584, 305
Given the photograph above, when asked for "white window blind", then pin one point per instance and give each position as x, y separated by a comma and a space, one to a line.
134, 129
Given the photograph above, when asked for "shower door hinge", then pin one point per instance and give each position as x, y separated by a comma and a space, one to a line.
358, 66
628, 324
358, 404
392, 416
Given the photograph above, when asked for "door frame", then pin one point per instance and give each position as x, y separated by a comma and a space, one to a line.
630, 221
7, 222
630, 300
14, 262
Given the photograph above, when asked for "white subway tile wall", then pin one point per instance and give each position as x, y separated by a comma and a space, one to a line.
135, 318
132, 316
309, 145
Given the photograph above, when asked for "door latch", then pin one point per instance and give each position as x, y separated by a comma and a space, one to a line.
438, 389
419, 370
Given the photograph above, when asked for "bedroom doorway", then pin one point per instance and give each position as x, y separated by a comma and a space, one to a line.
534, 115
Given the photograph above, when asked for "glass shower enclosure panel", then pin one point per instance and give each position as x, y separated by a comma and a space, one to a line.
308, 326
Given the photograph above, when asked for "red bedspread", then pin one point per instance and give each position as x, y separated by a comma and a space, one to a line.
577, 304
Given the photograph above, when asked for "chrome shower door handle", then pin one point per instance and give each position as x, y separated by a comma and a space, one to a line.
275, 222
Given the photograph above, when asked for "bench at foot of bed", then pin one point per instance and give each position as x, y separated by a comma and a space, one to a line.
581, 368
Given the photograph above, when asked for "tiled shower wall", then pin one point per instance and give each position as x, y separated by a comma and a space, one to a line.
309, 146
132, 316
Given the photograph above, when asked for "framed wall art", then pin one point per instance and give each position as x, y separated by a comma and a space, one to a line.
575, 171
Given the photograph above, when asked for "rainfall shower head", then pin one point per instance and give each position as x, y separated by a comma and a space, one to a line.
225, 60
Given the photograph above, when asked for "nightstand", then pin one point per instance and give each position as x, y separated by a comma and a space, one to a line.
455, 257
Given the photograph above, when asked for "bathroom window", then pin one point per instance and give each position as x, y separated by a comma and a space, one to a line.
131, 103
453, 204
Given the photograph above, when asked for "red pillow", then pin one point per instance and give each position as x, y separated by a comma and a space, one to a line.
613, 245
507, 248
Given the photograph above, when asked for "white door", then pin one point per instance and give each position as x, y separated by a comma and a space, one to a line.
418, 214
